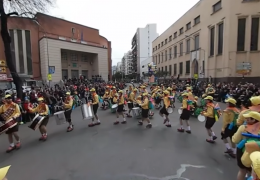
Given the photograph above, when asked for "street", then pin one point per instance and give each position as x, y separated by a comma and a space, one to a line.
122, 152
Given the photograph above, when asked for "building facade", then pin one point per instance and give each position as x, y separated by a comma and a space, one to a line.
214, 39
113, 70
127, 63
119, 67
49, 45
142, 45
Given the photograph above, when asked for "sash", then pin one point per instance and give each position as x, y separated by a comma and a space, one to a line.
6, 115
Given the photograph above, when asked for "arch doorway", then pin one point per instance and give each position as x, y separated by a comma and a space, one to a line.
194, 67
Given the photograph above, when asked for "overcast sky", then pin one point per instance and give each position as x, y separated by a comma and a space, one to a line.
117, 20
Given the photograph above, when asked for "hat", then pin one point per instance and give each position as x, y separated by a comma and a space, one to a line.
41, 98
107, 92
252, 114
255, 158
196, 97
231, 100
92, 90
139, 97
113, 87
67, 93
166, 92
185, 94
135, 90
169, 89
255, 100
209, 85
209, 98
145, 94
120, 91
4, 171
142, 86
8, 96
116, 94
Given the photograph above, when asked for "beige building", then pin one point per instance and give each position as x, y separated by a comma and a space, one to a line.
218, 39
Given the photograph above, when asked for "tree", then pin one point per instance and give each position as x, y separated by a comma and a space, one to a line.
17, 7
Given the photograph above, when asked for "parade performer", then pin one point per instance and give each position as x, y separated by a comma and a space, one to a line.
112, 94
163, 112
145, 111
131, 99
157, 98
143, 89
94, 103
43, 110
68, 104
210, 91
210, 119
244, 134
105, 100
120, 108
229, 126
8, 111
185, 116
255, 158
3, 172
253, 104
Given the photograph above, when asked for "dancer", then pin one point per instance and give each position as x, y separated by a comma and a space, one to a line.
210, 119
145, 111
163, 112
120, 108
43, 110
185, 116
94, 103
229, 126
11, 111
68, 104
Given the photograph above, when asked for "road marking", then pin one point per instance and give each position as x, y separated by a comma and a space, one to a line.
178, 174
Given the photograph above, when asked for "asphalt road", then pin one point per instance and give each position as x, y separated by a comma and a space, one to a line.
122, 152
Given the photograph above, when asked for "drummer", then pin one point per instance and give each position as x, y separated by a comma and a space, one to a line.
172, 96
95, 104
131, 98
157, 98
255, 158
120, 107
145, 111
3, 172
8, 111
112, 94
105, 99
68, 104
210, 119
229, 126
163, 112
185, 115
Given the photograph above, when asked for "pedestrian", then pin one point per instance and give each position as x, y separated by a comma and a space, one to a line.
120, 107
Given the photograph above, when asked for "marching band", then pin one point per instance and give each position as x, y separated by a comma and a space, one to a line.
241, 126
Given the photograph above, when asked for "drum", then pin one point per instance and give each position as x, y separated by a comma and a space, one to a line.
201, 118
170, 110
136, 112
86, 111
8, 124
36, 122
60, 118
180, 111
114, 108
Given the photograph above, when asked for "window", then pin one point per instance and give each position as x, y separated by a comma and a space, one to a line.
28, 51
220, 38
161, 68
203, 66
181, 30
188, 46
175, 35
64, 73
170, 70
84, 57
162, 44
156, 60
11, 32
217, 6
162, 57
159, 59
159, 46
170, 53
188, 26
212, 41
241, 34
181, 49
197, 20
180, 67
197, 42
64, 56
74, 73
20, 50
153, 49
73, 56
175, 51
175, 69
187, 67
254, 34
166, 56
166, 41
170, 38
165, 69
